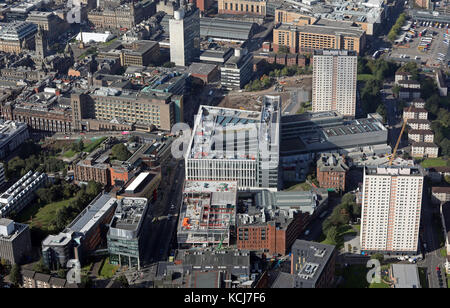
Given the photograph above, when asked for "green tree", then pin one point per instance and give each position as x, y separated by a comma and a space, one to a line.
378, 256
40, 267
15, 276
332, 235
120, 152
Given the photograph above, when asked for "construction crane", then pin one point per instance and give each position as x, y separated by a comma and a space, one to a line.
405, 120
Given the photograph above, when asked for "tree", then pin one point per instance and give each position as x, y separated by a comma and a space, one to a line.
15, 276
78, 146
40, 267
169, 64
332, 235
93, 189
120, 152
378, 256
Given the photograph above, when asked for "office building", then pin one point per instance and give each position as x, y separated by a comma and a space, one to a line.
15, 241
236, 145
136, 53
207, 214
312, 266
237, 71
17, 36
391, 207
308, 38
242, 7
12, 135
20, 195
82, 236
334, 81
332, 171
184, 36
125, 235
34, 280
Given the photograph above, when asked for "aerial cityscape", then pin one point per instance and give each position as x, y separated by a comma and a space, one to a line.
224, 144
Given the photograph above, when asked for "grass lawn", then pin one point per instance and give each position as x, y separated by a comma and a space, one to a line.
341, 232
108, 270
93, 145
381, 285
365, 77
69, 154
302, 187
448, 280
44, 217
434, 162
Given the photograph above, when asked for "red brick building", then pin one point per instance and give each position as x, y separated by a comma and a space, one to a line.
332, 171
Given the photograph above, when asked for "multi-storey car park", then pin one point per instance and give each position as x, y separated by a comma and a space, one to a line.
236, 145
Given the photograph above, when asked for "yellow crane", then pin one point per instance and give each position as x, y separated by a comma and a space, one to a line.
405, 120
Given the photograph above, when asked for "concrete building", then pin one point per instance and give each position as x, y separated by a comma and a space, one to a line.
33, 280
334, 82
135, 53
50, 22
391, 207
17, 36
445, 218
237, 71
305, 135
253, 163
15, 241
125, 235
82, 236
332, 171
415, 114
312, 266
20, 195
207, 214
308, 38
419, 124
12, 135
441, 83
405, 276
184, 36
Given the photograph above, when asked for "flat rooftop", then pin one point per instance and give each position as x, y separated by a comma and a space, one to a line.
129, 213
394, 170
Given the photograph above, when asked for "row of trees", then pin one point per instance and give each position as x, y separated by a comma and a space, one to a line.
82, 198
31, 156
396, 27
342, 214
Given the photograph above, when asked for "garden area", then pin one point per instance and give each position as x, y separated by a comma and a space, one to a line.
355, 276
82, 146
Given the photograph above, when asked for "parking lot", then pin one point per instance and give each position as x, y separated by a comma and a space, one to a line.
437, 48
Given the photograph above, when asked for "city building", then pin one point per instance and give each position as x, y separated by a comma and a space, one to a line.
17, 36
414, 113
242, 7
391, 207
207, 214
334, 82
33, 280
441, 83
52, 24
237, 71
440, 194
184, 36
13, 134
2, 175
125, 235
419, 124
304, 135
108, 108
20, 195
272, 221
444, 210
15, 241
332, 171
421, 135
405, 276
135, 53
212, 155
312, 266
83, 235
308, 38
424, 149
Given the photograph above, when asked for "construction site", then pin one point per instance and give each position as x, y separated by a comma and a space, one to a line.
208, 212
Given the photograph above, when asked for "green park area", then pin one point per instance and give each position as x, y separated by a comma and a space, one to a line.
355, 276
434, 162
107, 270
83, 146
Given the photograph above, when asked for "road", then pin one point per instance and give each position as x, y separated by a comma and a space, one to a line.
430, 237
